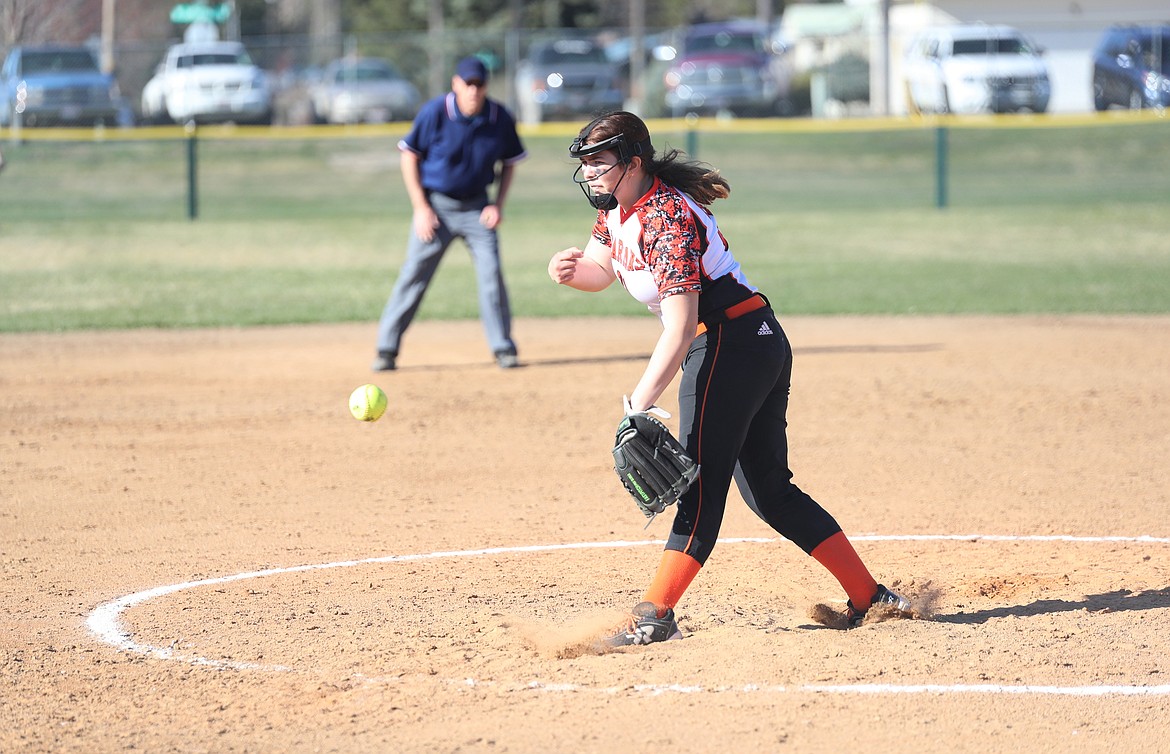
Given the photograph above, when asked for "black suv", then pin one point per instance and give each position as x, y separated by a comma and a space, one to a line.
1131, 68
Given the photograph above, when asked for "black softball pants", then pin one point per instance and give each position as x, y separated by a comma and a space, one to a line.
733, 402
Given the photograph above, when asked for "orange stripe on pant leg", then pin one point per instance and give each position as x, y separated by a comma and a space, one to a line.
699, 439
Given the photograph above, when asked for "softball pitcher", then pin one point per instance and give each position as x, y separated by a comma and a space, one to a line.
656, 235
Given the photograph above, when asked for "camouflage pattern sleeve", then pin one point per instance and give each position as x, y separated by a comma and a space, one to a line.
674, 245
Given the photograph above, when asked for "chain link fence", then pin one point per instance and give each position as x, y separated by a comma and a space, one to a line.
850, 69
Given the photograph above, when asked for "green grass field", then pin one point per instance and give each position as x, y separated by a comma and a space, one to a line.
295, 230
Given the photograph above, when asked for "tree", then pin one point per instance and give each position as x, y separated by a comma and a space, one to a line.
33, 21
374, 16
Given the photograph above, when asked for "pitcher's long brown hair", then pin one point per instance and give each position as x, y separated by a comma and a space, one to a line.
697, 180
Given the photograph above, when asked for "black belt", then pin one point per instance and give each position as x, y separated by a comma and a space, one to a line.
748, 305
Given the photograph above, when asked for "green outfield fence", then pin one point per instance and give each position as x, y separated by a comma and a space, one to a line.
229, 172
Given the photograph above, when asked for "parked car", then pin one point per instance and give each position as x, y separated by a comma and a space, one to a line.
1131, 67
49, 85
728, 67
207, 82
363, 90
974, 69
657, 46
292, 103
566, 78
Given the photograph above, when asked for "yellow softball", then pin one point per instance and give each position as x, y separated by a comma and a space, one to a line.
367, 403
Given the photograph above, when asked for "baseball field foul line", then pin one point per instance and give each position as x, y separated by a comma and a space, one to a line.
866, 688
104, 622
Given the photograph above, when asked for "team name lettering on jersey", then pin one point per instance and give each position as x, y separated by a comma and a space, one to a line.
667, 244
628, 258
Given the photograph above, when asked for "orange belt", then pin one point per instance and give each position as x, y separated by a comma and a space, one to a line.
737, 310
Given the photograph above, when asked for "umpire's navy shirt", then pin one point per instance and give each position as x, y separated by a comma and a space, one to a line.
458, 155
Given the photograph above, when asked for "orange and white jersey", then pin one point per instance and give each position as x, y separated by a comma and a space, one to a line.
668, 243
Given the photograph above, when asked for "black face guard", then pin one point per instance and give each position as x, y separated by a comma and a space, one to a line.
599, 201
625, 153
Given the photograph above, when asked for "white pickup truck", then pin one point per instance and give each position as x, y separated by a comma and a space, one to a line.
207, 82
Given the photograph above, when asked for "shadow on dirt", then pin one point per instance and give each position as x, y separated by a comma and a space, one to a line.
922, 348
909, 348
913, 348
525, 363
1107, 602
586, 360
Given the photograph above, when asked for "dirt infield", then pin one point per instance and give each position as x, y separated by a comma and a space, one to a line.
201, 551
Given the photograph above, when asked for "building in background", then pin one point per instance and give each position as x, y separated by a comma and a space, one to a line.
880, 30
1067, 31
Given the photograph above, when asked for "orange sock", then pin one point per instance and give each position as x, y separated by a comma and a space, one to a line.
675, 573
837, 554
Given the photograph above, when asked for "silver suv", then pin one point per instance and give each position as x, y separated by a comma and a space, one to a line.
973, 69
566, 78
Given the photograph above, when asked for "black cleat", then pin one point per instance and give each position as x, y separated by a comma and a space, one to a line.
883, 596
645, 627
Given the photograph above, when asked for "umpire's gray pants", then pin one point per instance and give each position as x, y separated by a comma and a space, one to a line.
458, 218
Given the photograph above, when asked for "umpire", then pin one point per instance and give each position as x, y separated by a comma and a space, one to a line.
448, 165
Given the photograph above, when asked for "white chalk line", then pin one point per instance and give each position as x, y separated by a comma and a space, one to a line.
866, 688
104, 622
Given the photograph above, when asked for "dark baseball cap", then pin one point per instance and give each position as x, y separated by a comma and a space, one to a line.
472, 69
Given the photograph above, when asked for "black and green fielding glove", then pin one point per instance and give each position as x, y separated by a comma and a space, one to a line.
651, 464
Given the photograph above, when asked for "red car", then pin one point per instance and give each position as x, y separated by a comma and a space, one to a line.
728, 68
